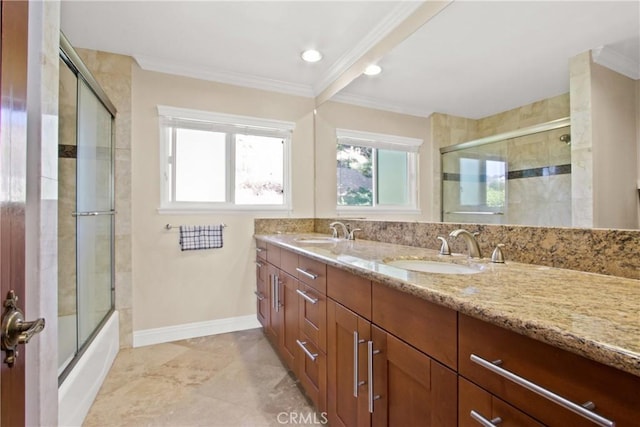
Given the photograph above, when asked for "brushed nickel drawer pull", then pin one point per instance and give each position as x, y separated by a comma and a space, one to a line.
259, 295
311, 276
584, 411
259, 250
370, 354
356, 364
304, 295
483, 421
259, 264
303, 346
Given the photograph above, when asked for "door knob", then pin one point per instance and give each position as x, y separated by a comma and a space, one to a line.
15, 330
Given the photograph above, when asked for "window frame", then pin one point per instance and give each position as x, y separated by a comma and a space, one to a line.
378, 141
172, 118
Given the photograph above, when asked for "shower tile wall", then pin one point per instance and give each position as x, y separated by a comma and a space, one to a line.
533, 200
113, 73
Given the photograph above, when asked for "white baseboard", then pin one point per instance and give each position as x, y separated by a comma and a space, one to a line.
194, 330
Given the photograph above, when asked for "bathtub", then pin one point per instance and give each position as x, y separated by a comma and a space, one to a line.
79, 389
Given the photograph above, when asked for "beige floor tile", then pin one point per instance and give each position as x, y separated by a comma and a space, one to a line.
230, 380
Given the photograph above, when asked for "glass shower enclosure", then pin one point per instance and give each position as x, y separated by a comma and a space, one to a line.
85, 209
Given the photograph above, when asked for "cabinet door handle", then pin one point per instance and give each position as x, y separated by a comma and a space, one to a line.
584, 410
370, 354
483, 421
303, 346
259, 295
276, 282
304, 295
311, 276
259, 264
356, 364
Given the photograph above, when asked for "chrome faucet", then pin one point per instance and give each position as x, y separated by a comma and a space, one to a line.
345, 232
470, 239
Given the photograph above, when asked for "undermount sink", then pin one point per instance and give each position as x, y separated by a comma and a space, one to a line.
425, 266
318, 240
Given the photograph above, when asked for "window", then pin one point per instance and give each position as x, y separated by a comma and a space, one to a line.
482, 183
376, 171
216, 161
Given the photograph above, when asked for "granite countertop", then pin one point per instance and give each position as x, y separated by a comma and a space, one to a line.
592, 315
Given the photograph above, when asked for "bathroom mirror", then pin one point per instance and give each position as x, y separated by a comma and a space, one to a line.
480, 69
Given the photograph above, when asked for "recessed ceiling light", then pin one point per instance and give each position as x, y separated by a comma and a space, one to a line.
373, 70
311, 55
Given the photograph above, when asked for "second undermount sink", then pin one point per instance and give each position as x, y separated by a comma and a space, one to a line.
425, 266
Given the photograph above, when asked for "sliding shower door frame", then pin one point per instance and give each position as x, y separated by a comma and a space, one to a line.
70, 57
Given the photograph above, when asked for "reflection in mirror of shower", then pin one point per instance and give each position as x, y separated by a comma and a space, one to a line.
523, 181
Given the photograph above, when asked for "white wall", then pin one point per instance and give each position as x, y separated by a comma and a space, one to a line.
171, 287
332, 115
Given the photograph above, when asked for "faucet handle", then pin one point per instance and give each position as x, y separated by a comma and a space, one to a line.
498, 256
334, 232
444, 249
352, 236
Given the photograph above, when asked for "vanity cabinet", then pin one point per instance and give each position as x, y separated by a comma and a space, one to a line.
375, 377
509, 365
369, 354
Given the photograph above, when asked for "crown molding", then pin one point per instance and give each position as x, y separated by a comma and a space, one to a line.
364, 101
232, 78
614, 60
401, 12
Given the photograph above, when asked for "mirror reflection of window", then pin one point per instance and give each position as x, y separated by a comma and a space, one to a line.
482, 183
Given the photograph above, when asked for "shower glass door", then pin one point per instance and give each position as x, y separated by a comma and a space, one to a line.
94, 215
85, 215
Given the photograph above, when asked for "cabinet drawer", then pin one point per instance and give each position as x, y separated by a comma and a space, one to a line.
312, 306
354, 292
289, 262
312, 370
313, 273
572, 377
484, 404
429, 327
261, 249
273, 254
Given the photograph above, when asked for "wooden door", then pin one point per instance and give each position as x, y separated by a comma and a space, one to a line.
411, 389
13, 145
347, 386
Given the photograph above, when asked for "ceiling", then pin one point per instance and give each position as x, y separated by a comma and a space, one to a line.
473, 59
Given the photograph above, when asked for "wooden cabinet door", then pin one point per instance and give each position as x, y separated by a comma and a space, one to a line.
409, 388
476, 404
347, 334
312, 372
262, 293
288, 321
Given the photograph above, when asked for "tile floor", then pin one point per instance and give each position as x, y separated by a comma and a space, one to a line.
233, 379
